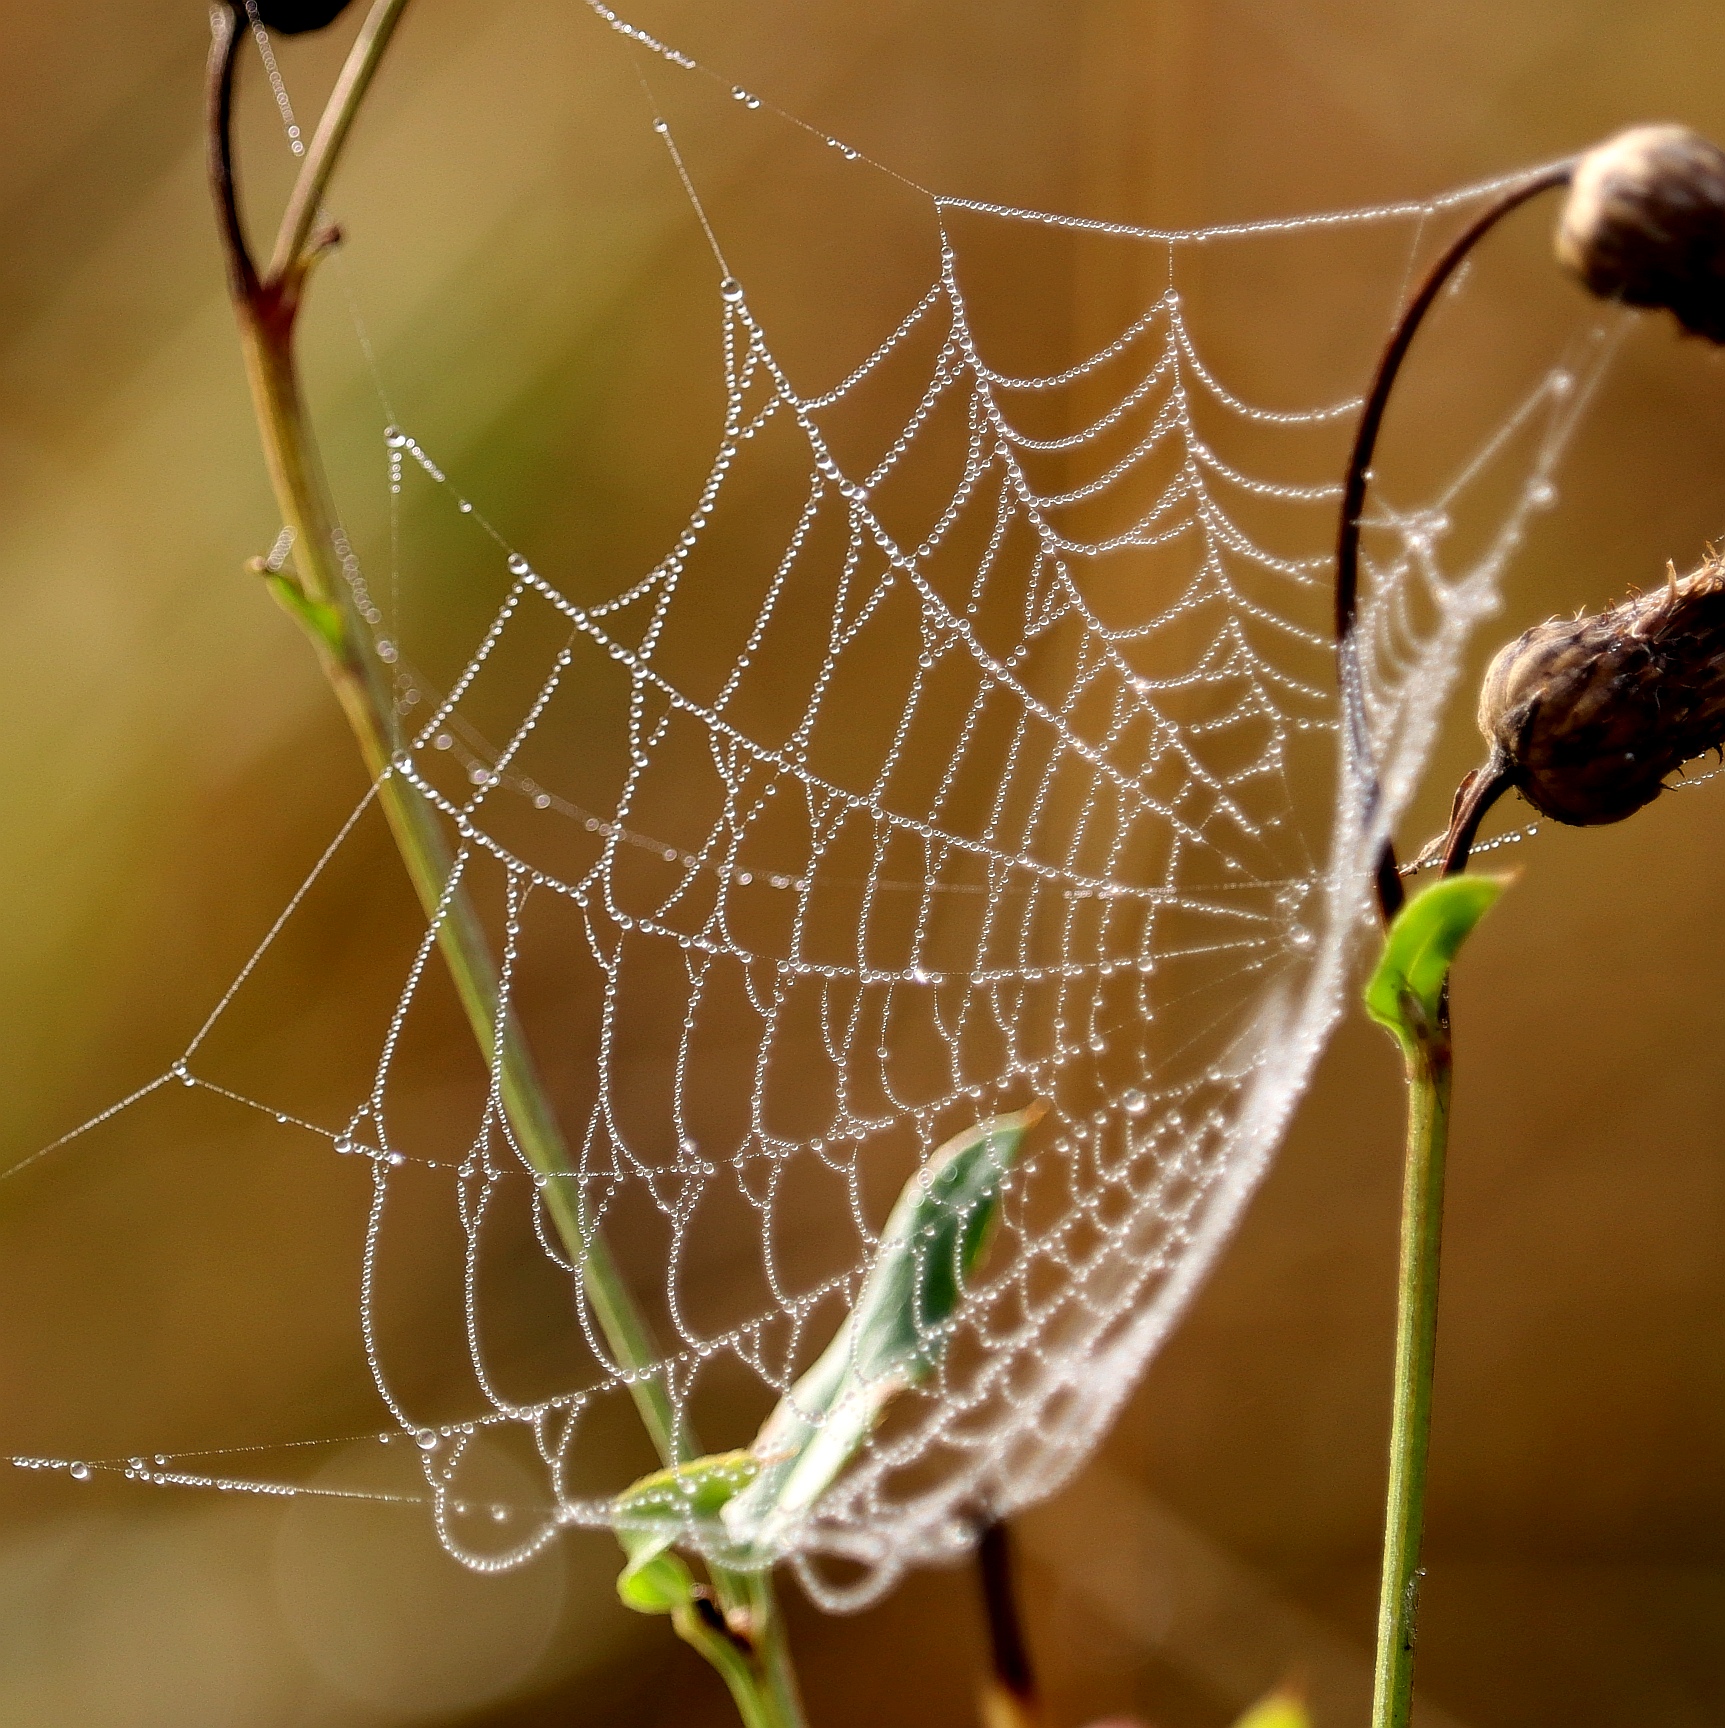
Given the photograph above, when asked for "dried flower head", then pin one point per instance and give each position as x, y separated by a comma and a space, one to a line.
296, 17
1587, 716
1645, 224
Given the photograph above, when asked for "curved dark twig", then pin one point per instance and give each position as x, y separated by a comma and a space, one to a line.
1388, 878
219, 94
1473, 797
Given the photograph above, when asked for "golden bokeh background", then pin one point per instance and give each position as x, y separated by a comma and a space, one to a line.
539, 302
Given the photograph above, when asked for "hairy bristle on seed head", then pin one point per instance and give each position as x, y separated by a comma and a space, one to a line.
1644, 223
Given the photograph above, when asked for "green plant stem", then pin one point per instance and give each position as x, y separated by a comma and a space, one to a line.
332, 130
266, 311
756, 1665
1429, 1075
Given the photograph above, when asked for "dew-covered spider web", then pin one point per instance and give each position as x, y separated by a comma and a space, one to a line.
971, 744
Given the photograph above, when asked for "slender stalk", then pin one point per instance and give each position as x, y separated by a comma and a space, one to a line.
744, 1637
1474, 797
1429, 1077
266, 309
775, 1676
1009, 1697
1358, 477
326, 145
754, 1665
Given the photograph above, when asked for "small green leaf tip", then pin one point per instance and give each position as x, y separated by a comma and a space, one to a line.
1284, 1708
323, 623
1406, 991
651, 1515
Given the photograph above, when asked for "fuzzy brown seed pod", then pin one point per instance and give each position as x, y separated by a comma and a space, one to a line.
1587, 716
297, 17
1645, 224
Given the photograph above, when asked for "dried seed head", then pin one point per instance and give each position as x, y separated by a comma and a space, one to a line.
1645, 224
296, 17
1587, 716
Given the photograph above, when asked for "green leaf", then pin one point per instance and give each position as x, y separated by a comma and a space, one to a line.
1282, 1709
648, 1517
1407, 988
319, 620
894, 1336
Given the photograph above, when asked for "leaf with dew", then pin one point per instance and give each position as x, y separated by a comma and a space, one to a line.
1406, 991
650, 1516
896, 1333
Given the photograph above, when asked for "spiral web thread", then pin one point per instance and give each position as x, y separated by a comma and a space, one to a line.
1014, 777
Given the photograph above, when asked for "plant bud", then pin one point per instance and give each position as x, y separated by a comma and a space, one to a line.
1587, 716
1645, 224
296, 17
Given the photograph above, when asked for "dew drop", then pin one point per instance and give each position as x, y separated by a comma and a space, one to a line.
428, 1439
731, 290
1135, 1102
80, 1472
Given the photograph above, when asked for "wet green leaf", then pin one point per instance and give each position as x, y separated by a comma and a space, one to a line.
319, 620
649, 1517
1406, 990
896, 1333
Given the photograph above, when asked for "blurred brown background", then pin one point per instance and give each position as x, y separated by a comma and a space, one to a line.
174, 766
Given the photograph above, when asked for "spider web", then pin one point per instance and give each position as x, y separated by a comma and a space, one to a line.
974, 743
